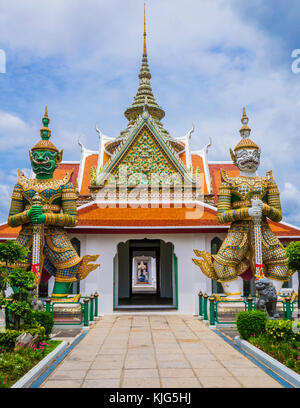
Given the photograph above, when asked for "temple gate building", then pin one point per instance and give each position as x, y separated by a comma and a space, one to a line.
145, 201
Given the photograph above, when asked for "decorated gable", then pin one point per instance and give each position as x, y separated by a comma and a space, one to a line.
145, 160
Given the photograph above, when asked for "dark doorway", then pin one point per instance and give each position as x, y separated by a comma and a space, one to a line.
145, 275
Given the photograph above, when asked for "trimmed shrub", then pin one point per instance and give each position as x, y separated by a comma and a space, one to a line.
33, 330
251, 323
40, 331
8, 339
45, 319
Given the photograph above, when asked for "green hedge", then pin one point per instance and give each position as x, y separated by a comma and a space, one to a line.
8, 338
251, 323
45, 319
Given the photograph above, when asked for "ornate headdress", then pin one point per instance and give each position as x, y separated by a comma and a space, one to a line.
246, 142
44, 143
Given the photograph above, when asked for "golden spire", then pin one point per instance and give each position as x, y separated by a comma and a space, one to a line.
46, 112
246, 142
144, 100
144, 89
145, 48
245, 130
45, 133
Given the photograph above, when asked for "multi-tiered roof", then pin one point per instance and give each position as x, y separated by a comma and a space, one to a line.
144, 96
145, 147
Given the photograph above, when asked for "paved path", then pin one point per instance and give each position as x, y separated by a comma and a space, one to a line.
155, 351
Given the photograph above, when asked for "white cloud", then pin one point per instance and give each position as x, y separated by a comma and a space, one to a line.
14, 131
207, 62
290, 201
290, 194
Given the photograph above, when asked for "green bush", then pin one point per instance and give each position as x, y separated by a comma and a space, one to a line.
288, 353
20, 278
293, 255
38, 329
251, 323
14, 365
45, 319
8, 339
19, 306
282, 330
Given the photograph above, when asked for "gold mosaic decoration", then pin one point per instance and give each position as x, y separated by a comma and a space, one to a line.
146, 158
41, 185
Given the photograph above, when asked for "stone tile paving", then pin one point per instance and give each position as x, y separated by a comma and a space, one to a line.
155, 351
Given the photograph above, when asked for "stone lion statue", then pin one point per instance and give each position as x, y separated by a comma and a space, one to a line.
267, 300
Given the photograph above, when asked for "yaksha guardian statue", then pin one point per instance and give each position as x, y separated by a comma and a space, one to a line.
242, 200
56, 210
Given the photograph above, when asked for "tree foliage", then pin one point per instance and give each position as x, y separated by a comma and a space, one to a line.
293, 255
12, 251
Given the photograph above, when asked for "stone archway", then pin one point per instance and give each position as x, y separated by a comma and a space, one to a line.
156, 286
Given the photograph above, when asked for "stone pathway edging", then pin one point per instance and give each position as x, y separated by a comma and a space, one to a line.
156, 351
286, 373
36, 371
39, 379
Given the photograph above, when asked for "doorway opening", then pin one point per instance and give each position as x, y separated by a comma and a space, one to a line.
145, 275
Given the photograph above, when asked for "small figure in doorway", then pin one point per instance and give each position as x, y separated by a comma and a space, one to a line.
142, 272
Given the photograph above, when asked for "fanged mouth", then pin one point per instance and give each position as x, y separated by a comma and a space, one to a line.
249, 163
44, 163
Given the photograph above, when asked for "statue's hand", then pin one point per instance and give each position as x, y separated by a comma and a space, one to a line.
257, 203
36, 214
256, 210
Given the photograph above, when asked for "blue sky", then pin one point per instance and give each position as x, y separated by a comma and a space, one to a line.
208, 59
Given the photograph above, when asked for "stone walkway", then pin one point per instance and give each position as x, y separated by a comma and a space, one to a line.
157, 351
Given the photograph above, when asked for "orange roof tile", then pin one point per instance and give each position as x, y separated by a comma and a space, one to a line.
90, 161
182, 156
63, 168
93, 215
203, 217
197, 162
215, 174
7, 232
106, 158
282, 229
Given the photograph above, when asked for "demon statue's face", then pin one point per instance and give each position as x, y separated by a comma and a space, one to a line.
43, 163
247, 160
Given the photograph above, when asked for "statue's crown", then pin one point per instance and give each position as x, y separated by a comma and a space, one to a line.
246, 142
44, 143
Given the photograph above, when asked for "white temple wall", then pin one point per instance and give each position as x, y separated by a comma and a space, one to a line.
190, 278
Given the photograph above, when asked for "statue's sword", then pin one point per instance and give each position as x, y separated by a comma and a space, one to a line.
258, 248
36, 245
